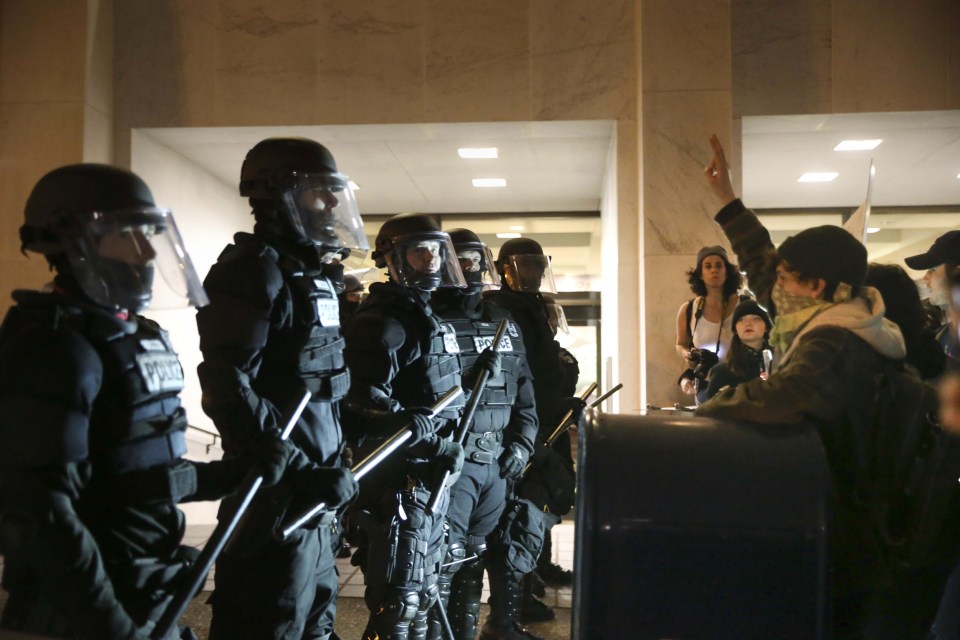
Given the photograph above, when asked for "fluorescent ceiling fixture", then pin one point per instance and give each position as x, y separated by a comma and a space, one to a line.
873, 229
857, 145
517, 227
477, 152
506, 236
353, 185
489, 182
814, 176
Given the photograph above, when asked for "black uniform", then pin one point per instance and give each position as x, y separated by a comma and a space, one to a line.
505, 416
550, 382
272, 330
91, 439
401, 357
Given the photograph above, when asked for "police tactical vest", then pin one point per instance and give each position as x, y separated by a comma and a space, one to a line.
306, 347
496, 402
137, 421
543, 351
437, 369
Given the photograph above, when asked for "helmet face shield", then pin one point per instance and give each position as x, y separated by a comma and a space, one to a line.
530, 273
322, 208
116, 255
556, 318
425, 261
476, 261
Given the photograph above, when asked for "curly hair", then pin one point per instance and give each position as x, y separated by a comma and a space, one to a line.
730, 286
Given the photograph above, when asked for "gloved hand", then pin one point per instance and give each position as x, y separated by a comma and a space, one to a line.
540, 454
333, 486
268, 455
490, 361
513, 461
449, 455
418, 420
574, 404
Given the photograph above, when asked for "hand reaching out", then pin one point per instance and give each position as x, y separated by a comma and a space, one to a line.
718, 173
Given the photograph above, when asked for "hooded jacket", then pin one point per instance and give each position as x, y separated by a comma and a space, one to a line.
827, 376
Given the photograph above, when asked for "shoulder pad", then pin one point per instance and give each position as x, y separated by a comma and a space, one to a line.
246, 270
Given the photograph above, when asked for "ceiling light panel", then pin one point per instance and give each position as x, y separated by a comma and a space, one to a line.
489, 182
472, 153
858, 145
818, 176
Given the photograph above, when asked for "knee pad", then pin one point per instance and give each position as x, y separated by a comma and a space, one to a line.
429, 594
392, 605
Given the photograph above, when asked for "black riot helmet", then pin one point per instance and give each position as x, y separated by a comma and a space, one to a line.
417, 253
476, 260
101, 224
295, 182
523, 267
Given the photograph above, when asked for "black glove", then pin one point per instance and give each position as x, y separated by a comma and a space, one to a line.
268, 455
513, 461
540, 455
575, 405
490, 361
333, 486
417, 420
449, 455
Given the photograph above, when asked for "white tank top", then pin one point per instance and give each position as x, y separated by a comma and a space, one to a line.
705, 332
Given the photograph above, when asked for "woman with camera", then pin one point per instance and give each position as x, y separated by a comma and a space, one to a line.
704, 327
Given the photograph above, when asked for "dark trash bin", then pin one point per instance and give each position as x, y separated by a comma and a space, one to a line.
694, 528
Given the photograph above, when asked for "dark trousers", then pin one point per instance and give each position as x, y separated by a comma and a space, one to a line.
276, 590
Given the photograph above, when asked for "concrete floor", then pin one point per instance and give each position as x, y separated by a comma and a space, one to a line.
351, 611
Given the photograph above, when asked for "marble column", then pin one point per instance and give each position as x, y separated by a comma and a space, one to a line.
686, 96
55, 105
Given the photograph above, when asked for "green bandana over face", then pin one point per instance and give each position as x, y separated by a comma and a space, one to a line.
793, 312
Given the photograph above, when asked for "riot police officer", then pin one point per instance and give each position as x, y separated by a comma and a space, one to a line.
527, 274
403, 358
91, 427
272, 329
499, 441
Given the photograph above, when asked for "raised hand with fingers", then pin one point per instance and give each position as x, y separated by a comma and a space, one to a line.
718, 173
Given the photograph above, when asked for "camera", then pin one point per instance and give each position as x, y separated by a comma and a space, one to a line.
701, 361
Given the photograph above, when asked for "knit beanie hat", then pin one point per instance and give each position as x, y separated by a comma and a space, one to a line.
827, 252
751, 308
715, 250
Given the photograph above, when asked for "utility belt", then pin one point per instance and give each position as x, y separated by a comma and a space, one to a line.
328, 387
483, 448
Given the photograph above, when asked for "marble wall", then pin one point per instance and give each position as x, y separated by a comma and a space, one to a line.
669, 74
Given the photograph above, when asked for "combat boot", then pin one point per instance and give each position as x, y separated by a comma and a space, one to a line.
503, 621
533, 609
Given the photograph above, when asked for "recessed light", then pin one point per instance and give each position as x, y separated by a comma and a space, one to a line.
821, 176
873, 229
958, 176
857, 145
507, 236
517, 227
470, 153
489, 182
353, 185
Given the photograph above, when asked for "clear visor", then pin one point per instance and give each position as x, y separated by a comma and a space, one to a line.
323, 209
425, 262
530, 273
117, 255
476, 266
557, 319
